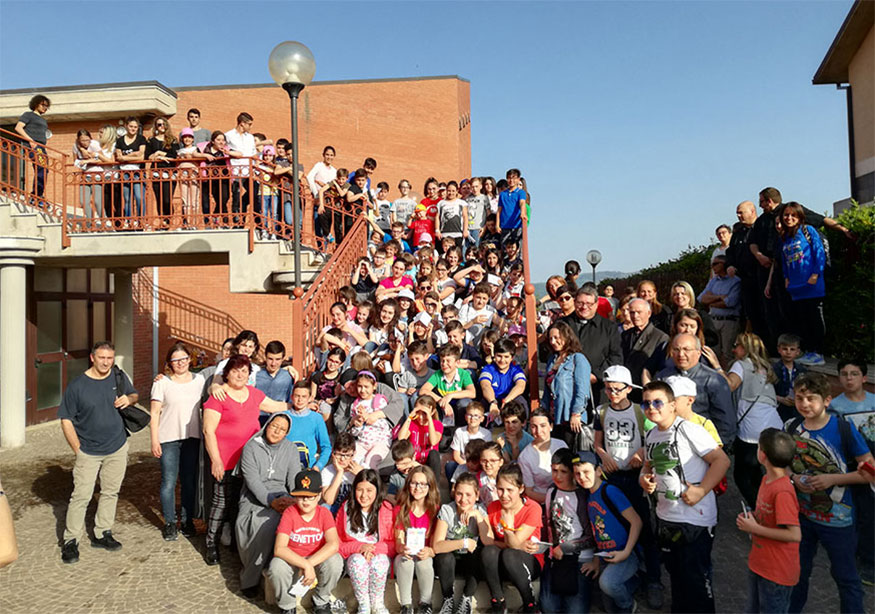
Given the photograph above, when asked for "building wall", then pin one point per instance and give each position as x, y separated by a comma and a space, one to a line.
860, 75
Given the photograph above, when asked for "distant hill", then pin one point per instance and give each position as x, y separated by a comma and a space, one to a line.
541, 286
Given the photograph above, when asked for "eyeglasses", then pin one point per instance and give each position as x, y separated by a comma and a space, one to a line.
564, 298
183, 359
277, 428
656, 404
610, 390
489, 461
418, 484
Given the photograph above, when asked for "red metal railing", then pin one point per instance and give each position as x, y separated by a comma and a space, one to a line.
531, 322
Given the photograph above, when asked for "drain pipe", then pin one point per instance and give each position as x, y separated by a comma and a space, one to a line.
851, 154
154, 319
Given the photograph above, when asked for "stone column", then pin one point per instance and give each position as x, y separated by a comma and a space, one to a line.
16, 253
123, 321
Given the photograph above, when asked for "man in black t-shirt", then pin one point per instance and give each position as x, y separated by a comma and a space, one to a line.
92, 424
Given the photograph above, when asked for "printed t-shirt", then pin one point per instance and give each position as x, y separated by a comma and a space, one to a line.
239, 422
861, 413
455, 528
420, 227
622, 432
384, 214
404, 208
676, 457
127, 149
562, 512
775, 560
820, 451
305, 536
468, 314
529, 514
609, 532
502, 383
478, 206
343, 491
450, 213
431, 208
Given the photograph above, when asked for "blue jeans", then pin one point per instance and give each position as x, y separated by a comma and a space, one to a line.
627, 481
132, 181
179, 459
841, 545
766, 596
287, 215
552, 602
270, 209
618, 581
39, 159
473, 239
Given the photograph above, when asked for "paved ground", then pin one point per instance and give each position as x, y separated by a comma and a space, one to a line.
150, 575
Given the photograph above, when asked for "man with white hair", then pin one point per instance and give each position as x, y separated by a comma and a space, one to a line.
641, 341
713, 397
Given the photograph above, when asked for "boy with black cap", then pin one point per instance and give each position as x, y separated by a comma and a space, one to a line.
306, 547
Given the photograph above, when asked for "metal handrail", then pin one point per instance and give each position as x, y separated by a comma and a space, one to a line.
531, 322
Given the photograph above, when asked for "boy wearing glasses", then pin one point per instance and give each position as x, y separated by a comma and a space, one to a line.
682, 466
305, 551
339, 473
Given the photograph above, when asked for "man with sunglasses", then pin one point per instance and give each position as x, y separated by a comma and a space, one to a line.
599, 338
713, 397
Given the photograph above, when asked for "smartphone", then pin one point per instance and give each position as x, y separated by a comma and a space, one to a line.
604, 554
745, 510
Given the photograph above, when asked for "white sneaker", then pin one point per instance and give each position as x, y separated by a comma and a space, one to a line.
226, 535
812, 359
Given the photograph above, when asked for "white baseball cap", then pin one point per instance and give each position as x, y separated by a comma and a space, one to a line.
406, 293
619, 375
681, 386
422, 318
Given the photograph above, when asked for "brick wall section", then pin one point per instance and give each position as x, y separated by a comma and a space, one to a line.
410, 126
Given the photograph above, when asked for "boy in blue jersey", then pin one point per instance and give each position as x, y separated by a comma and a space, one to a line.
825, 446
616, 527
308, 428
511, 209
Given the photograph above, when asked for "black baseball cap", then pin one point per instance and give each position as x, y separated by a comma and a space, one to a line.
307, 483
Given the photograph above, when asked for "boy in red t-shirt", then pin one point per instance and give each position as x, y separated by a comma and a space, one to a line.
306, 547
774, 527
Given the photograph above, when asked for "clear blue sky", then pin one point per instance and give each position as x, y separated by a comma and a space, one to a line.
639, 126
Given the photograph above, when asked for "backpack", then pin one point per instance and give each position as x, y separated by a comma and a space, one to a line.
824, 241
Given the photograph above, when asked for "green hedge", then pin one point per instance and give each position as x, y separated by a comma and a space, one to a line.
849, 306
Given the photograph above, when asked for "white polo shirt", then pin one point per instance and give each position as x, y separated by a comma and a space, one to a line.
242, 143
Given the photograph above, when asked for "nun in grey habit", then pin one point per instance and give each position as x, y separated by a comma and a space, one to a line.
268, 465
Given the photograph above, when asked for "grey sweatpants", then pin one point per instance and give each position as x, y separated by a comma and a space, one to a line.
404, 569
283, 576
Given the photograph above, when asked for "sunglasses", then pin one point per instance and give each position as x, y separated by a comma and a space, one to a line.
656, 404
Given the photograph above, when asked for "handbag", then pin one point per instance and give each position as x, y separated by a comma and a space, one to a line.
134, 418
564, 574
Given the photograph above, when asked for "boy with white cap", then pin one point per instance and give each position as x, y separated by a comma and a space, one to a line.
684, 390
620, 426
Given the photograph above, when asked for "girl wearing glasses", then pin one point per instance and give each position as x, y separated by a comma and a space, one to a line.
161, 148
175, 431
416, 511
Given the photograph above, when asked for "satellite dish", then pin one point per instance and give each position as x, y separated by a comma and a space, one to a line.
593, 256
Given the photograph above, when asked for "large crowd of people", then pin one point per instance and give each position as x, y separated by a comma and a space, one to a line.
416, 449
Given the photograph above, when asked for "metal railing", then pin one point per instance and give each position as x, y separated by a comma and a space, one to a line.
531, 322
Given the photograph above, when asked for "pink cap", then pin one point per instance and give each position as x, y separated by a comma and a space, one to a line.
186, 132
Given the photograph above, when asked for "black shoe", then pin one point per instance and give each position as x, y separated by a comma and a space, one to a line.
169, 532
497, 606
250, 592
654, 596
530, 608
107, 542
188, 529
212, 556
70, 551
424, 608
406, 609
447, 606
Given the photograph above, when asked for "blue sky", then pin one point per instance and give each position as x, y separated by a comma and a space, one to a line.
638, 125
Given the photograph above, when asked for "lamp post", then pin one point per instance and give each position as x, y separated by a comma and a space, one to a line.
593, 256
292, 66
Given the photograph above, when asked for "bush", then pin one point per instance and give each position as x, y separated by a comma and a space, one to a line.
849, 306
692, 265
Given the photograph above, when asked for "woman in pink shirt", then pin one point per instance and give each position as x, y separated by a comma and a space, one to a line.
228, 425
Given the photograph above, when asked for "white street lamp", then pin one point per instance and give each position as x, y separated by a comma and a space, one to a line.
292, 66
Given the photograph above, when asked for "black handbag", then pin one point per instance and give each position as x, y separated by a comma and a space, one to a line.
564, 575
135, 419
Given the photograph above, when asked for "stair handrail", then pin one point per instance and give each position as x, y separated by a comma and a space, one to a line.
531, 322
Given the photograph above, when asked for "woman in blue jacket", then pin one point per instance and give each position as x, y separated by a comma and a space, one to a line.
804, 258
567, 385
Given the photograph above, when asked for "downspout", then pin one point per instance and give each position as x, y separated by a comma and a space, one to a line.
851, 153
155, 319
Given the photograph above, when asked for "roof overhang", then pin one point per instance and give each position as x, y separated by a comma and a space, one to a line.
834, 67
93, 102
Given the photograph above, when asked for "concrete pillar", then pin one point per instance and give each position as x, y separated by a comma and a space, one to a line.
15, 254
123, 321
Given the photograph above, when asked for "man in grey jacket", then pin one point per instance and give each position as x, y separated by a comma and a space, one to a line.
713, 398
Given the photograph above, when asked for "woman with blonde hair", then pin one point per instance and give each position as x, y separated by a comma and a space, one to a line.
159, 149
682, 296
106, 140
752, 376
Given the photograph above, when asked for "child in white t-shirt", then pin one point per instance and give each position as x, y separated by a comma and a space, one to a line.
474, 416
